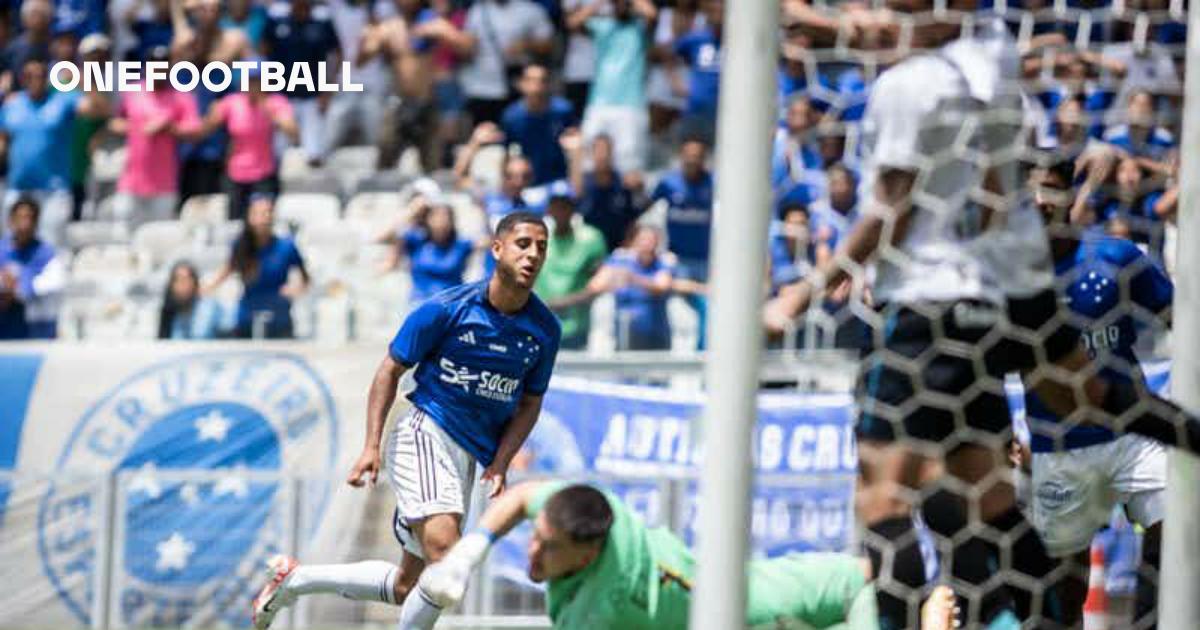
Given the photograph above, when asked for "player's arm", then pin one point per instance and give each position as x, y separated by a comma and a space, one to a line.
887, 215
515, 434
412, 344
379, 403
445, 582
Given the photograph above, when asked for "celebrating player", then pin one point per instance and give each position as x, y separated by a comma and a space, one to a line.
1080, 472
484, 354
943, 135
606, 570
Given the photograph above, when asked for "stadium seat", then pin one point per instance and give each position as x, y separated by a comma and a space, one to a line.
319, 182
205, 210
293, 165
305, 209
373, 209
210, 258
383, 181
158, 242
685, 325
485, 168
329, 248
223, 234
84, 233
104, 208
353, 164
102, 262
468, 216
108, 164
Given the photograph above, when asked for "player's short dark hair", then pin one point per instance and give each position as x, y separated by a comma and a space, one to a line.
581, 512
29, 203
511, 221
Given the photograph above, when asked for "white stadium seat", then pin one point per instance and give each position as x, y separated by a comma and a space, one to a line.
85, 233
305, 209
205, 210
158, 242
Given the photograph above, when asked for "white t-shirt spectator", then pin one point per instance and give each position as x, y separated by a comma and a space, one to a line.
1154, 70
496, 27
579, 64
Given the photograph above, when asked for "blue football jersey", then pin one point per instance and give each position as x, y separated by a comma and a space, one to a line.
1112, 289
474, 363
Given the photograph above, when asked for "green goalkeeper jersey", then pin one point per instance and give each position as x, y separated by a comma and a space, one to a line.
643, 579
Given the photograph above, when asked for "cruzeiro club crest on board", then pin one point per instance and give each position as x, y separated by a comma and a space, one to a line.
198, 442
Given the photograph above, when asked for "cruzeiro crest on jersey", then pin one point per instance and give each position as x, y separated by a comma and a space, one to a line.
198, 443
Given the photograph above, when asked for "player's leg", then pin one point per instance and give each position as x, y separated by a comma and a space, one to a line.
1146, 607
817, 589
438, 503
888, 476
890, 471
436, 534
365, 581
1072, 500
1140, 477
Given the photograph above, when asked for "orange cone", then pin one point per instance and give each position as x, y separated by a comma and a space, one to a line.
1095, 607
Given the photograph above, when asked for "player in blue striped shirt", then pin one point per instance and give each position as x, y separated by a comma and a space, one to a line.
483, 354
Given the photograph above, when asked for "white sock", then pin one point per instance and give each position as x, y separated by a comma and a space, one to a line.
418, 613
370, 580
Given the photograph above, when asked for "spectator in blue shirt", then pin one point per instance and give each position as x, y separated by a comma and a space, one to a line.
835, 212
301, 37
264, 261
185, 313
607, 201
37, 126
436, 254
152, 32
795, 157
701, 51
640, 278
81, 17
31, 278
536, 121
1140, 136
792, 251
1135, 207
688, 193
247, 16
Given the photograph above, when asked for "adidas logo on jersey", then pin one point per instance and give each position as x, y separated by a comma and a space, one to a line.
467, 337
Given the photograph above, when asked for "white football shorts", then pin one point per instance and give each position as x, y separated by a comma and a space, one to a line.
1075, 491
429, 473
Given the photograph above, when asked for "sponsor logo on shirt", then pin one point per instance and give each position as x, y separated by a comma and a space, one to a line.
1053, 495
485, 384
467, 337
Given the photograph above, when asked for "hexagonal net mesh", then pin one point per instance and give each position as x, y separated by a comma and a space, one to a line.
1001, 262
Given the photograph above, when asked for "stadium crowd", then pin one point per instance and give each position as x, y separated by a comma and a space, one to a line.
599, 113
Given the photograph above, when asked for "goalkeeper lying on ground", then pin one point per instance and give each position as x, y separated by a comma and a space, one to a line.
607, 570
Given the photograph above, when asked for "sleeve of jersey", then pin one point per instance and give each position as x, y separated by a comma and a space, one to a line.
894, 115
419, 333
1150, 288
538, 380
